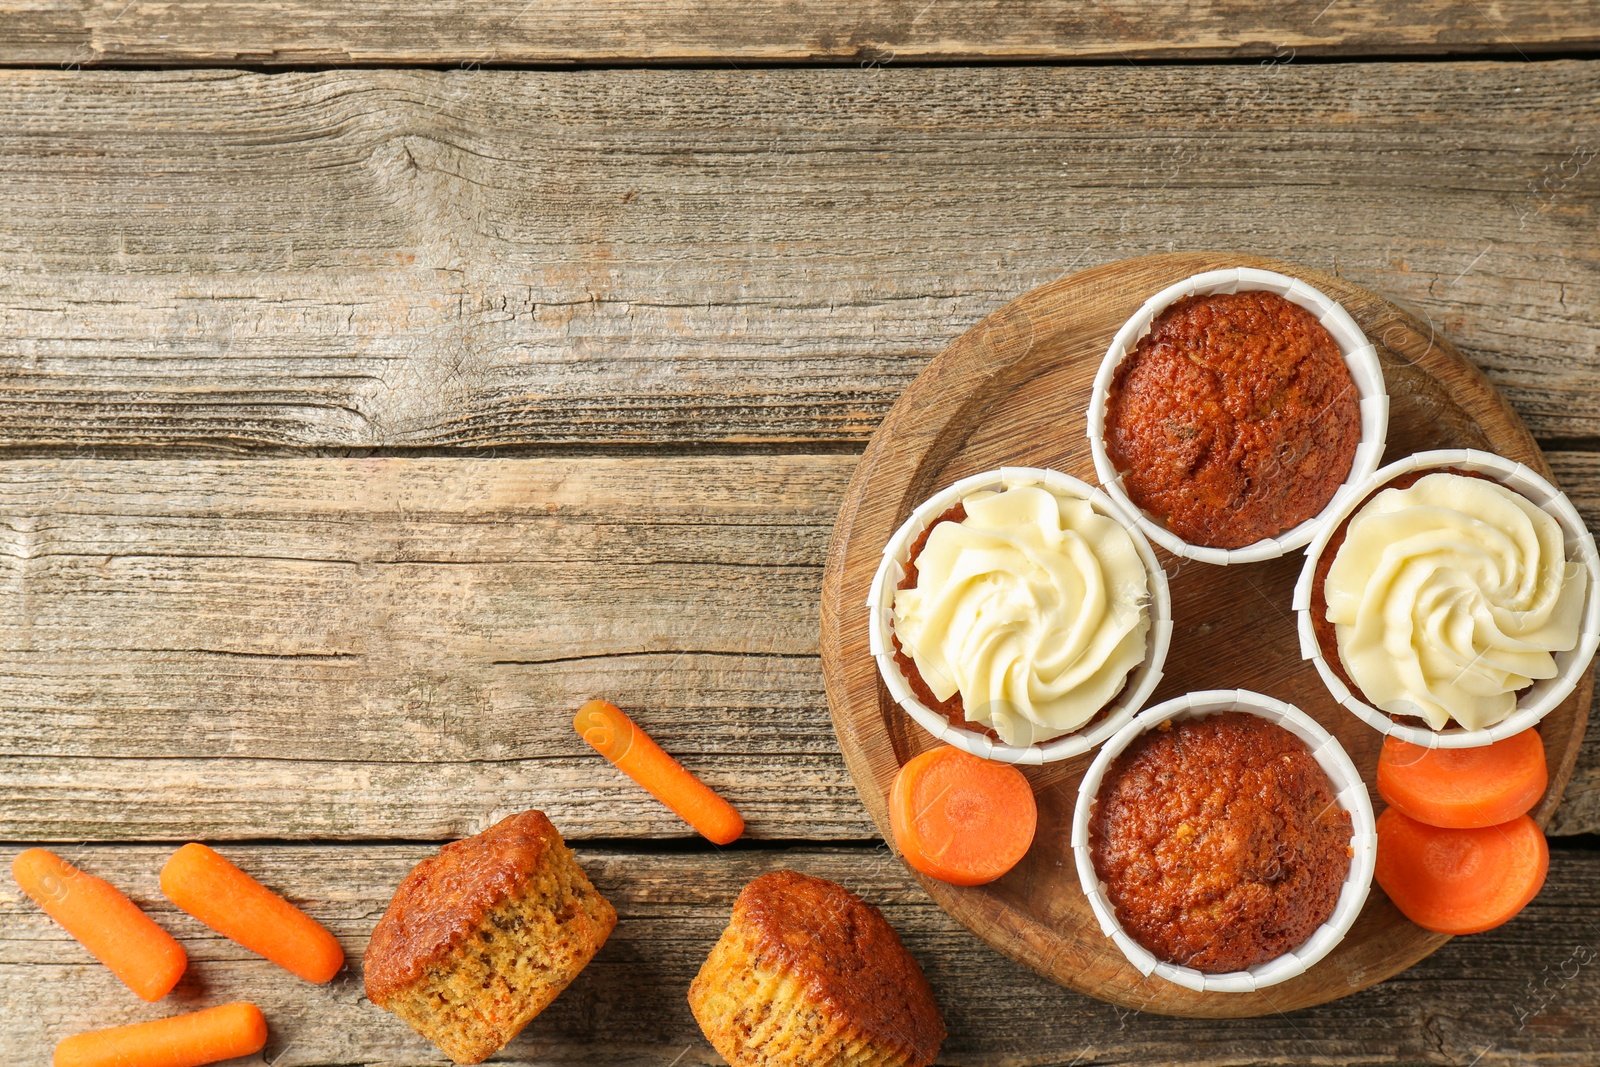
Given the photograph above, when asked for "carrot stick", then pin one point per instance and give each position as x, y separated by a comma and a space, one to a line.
219, 1033
1460, 880
105, 922
240, 908
961, 819
1464, 787
615, 736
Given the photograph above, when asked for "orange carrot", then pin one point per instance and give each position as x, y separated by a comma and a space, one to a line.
1464, 787
959, 818
105, 922
219, 1033
1460, 881
615, 736
240, 908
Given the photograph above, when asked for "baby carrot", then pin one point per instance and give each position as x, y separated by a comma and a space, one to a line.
614, 736
105, 922
240, 908
219, 1033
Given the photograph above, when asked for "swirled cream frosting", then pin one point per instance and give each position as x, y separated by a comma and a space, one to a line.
1450, 596
1033, 608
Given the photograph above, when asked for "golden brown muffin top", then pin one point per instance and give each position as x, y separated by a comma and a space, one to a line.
1235, 418
446, 896
846, 954
1220, 841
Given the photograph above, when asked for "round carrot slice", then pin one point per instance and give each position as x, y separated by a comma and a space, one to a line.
1464, 787
961, 819
1460, 880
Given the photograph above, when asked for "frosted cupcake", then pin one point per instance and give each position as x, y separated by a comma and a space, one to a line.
1022, 610
1448, 596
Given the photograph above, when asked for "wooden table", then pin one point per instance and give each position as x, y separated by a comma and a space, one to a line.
382, 380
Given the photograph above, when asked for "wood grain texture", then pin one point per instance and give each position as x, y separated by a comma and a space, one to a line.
1526, 993
1012, 391
395, 648
80, 33
1578, 475
485, 259
361, 648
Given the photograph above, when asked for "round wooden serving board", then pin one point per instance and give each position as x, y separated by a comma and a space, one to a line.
1012, 390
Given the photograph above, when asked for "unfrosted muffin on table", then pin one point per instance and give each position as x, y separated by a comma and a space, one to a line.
482, 937
808, 973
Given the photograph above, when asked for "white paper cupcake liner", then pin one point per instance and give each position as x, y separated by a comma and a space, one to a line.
1359, 355
1546, 694
880, 604
1352, 796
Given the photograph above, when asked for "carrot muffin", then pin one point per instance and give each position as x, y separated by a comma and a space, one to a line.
809, 974
1022, 613
1220, 842
1445, 596
1234, 419
482, 937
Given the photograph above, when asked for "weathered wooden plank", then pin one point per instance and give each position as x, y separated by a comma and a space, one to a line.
1528, 992
347, 648
338, 648
70, 798
81, 33
1578, 474
485, 259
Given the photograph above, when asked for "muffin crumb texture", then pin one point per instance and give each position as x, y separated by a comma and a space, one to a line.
482, 937
1220, 842
808, 973
1234, 419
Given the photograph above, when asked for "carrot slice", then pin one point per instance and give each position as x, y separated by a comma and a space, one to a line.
1460, 880
1464, 787
615, 736
221, 1033
105, 922
959, 818
238, 907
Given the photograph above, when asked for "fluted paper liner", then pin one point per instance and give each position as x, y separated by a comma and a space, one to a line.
1351, 793
1547, 693
1141, 682
1359, 355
